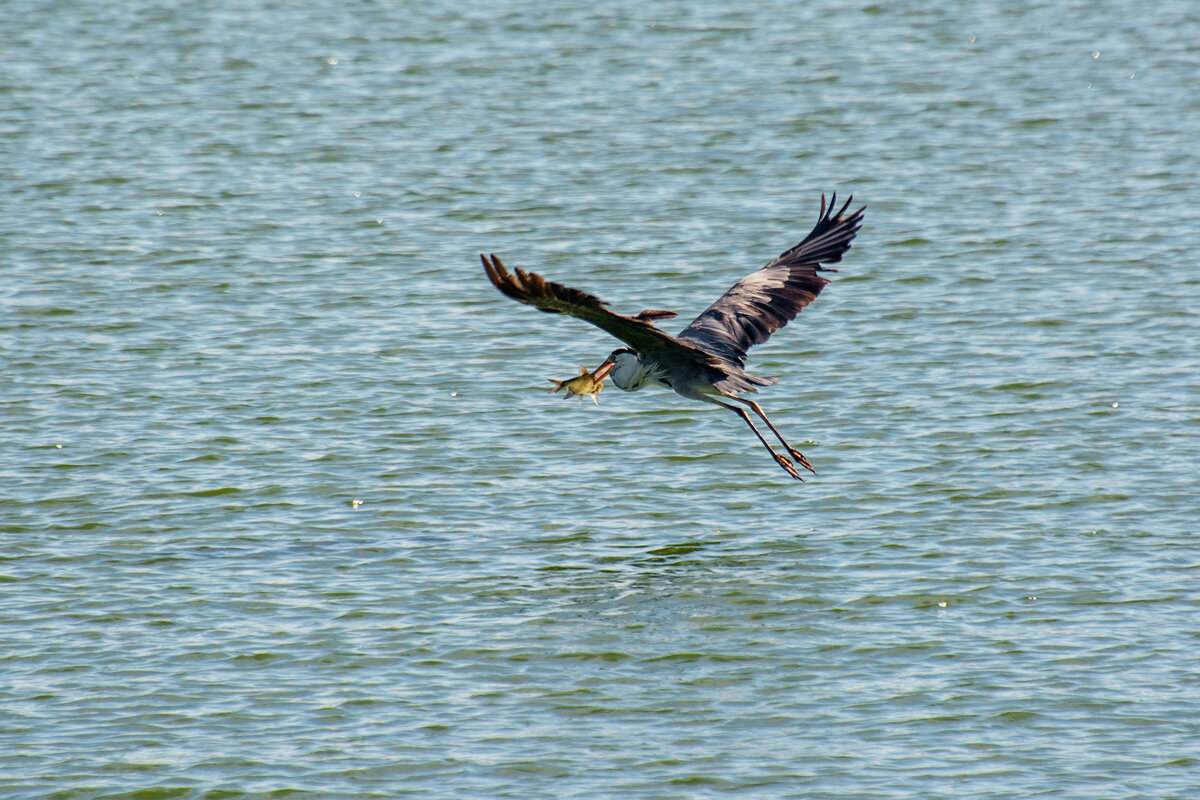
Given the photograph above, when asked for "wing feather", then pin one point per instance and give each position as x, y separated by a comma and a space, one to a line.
766, 300
554, 298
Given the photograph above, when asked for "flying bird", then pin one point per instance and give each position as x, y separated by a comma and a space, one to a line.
706, 360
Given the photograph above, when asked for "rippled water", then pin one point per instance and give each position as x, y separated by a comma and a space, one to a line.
286, 509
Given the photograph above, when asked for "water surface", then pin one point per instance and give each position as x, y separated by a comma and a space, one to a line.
286, 510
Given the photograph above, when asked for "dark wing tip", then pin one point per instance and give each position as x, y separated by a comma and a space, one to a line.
508, 284
534, 290
840, 215
829, 239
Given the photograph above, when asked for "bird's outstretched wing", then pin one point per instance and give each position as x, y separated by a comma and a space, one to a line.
766, 300
638, 331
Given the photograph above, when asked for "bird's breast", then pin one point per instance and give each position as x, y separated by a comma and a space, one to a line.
633, 374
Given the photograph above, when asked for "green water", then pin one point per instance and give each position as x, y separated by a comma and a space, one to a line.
286, 509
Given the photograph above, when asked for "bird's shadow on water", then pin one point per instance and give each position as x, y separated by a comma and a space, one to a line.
670, 596
587, 561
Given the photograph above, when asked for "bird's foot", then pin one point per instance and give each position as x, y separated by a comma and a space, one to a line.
801, 460
787, 466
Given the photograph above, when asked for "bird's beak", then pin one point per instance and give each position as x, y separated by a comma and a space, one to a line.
602, 371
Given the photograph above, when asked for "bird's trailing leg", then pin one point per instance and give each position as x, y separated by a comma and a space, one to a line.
780, 460
793, 452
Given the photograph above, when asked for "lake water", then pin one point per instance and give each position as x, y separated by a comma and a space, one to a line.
286, 509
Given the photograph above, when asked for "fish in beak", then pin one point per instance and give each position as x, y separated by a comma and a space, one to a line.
586, 383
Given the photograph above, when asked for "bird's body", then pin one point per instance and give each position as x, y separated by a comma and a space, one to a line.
706, 360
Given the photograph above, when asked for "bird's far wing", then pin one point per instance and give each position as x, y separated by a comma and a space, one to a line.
554, 298
766, 300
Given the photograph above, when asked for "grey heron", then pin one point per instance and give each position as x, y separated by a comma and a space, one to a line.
706, 360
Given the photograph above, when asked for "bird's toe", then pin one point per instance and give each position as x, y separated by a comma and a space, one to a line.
788, 467
801, 460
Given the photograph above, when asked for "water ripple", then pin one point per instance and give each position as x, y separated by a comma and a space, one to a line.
286, 509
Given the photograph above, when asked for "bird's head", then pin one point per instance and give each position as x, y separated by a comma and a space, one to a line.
625, 369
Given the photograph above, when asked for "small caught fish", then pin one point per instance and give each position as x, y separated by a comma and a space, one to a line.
586, 383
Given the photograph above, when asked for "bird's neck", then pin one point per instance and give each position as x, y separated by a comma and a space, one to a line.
630, 373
